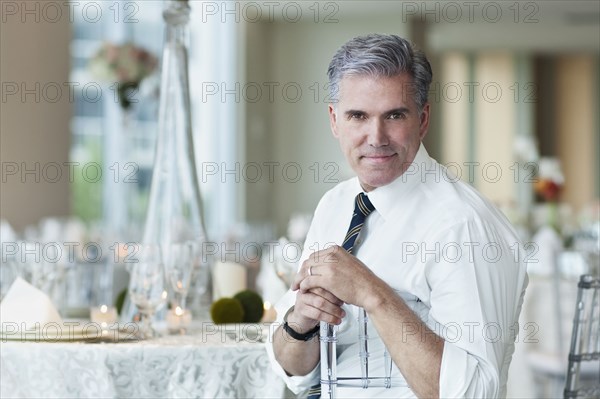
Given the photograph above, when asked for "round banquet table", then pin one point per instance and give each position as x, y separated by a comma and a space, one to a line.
204, 364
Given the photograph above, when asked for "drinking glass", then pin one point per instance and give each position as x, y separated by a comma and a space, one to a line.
179, 264
286, 258
147, 286
200, 294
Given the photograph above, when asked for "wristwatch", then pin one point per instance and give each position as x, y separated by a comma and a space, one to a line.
296, 335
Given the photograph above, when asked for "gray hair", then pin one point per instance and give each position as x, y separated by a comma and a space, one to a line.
380, 56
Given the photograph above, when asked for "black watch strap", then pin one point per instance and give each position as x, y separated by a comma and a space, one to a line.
295, 334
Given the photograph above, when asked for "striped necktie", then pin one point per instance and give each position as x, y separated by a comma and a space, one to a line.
362, 208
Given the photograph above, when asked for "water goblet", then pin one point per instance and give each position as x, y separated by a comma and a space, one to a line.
200, 296
179, 260
286, 261
147, 286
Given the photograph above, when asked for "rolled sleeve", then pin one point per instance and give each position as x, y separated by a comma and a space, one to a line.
296, 384
463, 375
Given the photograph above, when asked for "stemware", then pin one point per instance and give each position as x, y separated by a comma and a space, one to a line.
286, 258
179, 263
200, 295
147, 286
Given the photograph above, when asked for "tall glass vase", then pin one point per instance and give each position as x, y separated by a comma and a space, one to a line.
174, 218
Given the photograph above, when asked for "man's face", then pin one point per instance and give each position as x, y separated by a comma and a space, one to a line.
378, 125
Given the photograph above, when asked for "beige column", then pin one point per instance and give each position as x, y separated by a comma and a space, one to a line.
495, 126
34, 121
576, 107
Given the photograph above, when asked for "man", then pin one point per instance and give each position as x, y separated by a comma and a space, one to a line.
437, 269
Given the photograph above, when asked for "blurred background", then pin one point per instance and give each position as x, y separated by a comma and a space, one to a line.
514, 107
508, 76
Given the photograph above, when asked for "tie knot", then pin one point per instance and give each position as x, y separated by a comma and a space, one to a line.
363, 205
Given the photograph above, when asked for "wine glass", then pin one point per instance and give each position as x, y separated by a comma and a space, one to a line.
147, 285
286, 259
180, 259
199, 294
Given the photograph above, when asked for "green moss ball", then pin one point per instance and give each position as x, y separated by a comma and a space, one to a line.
227, 310
252, 304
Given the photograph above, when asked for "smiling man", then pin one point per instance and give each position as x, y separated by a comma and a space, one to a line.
412, 248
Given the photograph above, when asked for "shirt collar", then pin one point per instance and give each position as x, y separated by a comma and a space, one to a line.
385, 198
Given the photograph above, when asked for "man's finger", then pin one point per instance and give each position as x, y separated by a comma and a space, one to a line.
327, 295
323, 311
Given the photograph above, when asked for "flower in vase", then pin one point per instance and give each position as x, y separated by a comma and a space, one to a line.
125, 64
550, 180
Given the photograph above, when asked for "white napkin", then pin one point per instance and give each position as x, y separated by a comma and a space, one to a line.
549, 245
26, 305
7, 234
270, 285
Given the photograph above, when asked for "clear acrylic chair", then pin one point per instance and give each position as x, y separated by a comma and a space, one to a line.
330, 380
585, 339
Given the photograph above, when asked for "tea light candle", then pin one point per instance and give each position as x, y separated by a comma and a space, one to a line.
178, 319
103, 315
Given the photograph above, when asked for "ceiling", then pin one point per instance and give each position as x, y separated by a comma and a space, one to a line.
542, 25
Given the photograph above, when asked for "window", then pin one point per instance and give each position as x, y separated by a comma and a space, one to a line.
123, 143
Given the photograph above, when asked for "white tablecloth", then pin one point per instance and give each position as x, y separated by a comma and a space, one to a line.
197, 366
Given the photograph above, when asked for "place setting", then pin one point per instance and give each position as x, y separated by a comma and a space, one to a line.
28, 315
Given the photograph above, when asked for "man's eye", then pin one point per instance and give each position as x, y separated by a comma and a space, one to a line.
397, 115
357, 116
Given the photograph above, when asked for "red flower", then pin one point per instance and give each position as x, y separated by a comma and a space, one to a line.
547, 189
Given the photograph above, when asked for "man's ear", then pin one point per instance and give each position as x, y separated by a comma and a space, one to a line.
424, 123
333, 121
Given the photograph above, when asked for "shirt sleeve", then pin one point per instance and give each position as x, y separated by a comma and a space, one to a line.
477, 280
296, 384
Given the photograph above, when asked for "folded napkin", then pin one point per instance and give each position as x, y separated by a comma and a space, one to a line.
26, 306
549, 245
7, 234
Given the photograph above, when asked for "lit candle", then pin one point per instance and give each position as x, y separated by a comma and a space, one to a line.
178, 319
103, 315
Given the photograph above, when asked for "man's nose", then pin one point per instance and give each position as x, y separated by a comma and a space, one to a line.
377, 135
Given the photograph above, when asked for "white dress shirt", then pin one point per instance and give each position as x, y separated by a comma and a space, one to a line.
454, 259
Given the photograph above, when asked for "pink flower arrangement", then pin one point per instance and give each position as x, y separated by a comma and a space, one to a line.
126, 65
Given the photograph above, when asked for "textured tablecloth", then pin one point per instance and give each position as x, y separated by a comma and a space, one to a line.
198, 366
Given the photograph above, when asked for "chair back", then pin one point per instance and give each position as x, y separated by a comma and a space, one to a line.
585, 339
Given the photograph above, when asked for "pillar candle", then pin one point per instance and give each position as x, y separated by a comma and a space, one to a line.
229, 278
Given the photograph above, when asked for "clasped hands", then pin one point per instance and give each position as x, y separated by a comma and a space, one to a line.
328, 279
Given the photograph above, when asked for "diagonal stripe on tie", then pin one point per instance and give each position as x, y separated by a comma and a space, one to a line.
362, 208
351, 237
